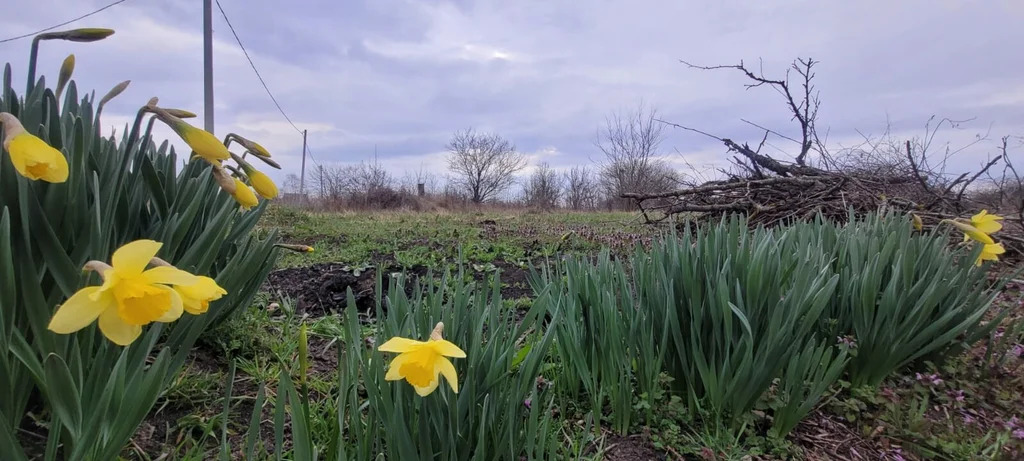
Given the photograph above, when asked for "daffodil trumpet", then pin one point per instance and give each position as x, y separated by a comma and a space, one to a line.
32, 157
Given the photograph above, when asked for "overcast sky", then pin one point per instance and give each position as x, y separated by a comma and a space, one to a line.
403, 75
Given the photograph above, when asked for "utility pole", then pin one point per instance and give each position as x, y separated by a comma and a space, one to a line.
302, 177
208, 65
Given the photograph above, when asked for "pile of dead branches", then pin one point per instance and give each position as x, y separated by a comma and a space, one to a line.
882, 173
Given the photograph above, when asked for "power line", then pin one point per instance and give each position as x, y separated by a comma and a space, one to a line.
253, 65
62, 24
309, 151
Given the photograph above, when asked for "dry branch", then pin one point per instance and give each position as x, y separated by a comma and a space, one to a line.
890, 175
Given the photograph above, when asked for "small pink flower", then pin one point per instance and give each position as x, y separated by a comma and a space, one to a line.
1018, 434
957, 395
929, 380
528, 403
1017, 350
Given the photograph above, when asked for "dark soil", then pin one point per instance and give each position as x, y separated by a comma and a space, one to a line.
515, 280
321, 288
631, 448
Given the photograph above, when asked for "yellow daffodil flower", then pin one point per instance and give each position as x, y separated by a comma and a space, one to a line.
422, 363
262, 183
196, 298
987, 223
244, 195
991, 252
971, 232
131, 296
31, 156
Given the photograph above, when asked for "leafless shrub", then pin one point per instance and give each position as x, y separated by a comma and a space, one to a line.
483, 165
543, 189
581, 189
630, 142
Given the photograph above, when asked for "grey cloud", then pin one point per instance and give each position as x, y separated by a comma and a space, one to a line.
402, 75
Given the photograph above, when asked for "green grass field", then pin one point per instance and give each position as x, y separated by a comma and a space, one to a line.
970, 412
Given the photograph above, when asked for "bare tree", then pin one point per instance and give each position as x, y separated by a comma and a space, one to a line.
483, 165
290, 184
580, 189
370, 177
544, 188
630, 143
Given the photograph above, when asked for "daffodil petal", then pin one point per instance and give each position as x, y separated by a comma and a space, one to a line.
79, 311
399, 344
191, 305
989, 226
170, 276
447, 348
116, 330
174, 313
425, 391
58, 171
448, 371
994, 249
132, 258
394, 368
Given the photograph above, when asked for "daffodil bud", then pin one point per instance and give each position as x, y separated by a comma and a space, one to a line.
918, 224
202, 142
295, 247
261, 182
66, 69
116, 90
252, 146
85, 34
303, 353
